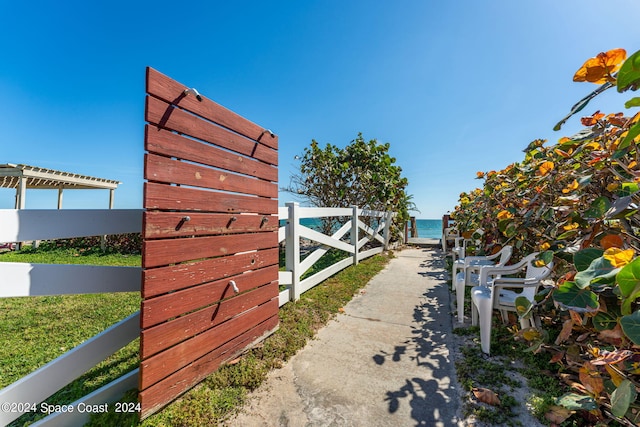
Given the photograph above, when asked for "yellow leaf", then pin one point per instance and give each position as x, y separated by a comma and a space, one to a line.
529, 334
616, 378
593, 146
545, 246
599, 69
613, 186
591, 378
545, 168
571, 226
505, 215
571, 187
619, 257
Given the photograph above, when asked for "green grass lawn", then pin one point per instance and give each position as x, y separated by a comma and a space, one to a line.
36, 330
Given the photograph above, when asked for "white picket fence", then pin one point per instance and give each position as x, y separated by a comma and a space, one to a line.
359, 235
22, 279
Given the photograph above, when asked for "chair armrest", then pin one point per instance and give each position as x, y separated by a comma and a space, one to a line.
515, 283
476, 258
486, 271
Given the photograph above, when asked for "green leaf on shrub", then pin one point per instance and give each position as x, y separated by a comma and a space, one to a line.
598, 208
600, 271
633, 102
523, 306
629, 279
574, 402
629, 188
582, 259
629, 74
571, 297
622, 397
629, 283
546, 257
604, 321
631, 134
631, 326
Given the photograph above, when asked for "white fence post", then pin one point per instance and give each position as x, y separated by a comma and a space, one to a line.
292, 249
354, 235
388, 217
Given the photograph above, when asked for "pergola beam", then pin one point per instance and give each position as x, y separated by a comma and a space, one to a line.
23, 177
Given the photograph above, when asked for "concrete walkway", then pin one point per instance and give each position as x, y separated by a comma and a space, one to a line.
385, 361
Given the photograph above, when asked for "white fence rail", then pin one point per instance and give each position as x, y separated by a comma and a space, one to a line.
21, 279
359, 235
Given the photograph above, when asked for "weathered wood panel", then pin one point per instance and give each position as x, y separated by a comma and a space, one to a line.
166, 170
210, 239
161, 141
156, 367
165, 197
165, 307
155, 397
177, 330
172, 224
171, 91
171, 278
169, 117
163, 252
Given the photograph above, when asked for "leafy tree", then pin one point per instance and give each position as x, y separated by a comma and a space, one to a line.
362, 174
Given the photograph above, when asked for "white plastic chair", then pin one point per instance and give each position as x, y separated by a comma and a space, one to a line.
498, 292
470, 274
448, 234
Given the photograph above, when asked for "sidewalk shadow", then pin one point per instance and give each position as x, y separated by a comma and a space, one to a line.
432, 398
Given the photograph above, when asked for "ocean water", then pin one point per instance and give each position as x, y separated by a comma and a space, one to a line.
429, 228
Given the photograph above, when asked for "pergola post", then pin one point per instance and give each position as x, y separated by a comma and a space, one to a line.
60, 189
21, 192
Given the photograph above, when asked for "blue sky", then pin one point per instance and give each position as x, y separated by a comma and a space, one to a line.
455, 87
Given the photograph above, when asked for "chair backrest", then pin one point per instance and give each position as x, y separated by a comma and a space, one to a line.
450, 233
536, 273
505, 255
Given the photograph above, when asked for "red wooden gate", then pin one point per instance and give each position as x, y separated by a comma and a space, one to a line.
210, 257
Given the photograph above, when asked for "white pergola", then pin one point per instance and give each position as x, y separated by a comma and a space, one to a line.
23, 177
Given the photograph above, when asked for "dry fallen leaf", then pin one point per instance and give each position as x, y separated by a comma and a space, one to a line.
486, 396
341, 310
557, 414
567, 328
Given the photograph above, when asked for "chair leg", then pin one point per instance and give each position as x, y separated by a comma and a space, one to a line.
460, 288
474, 314
505, 316
481, 310
485, 329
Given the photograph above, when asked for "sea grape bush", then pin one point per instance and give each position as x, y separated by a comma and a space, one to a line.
577, 202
